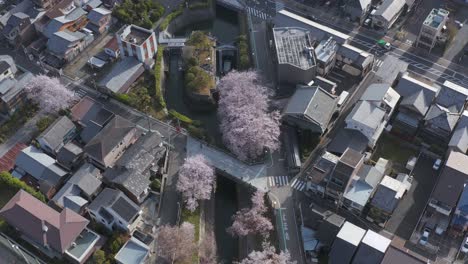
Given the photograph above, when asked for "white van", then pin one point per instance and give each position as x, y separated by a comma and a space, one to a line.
343, 97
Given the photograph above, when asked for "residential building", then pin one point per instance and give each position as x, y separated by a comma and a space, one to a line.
355, 61
459, 140
310, 108
70, 156
63, 46
19, 30
123, 74
115, 210
112, 48
318, 176
443, 115
90, 5
371, 249
111, 142
357, 9
68, 17
389, 193
46, 4
346, 243
81, 188
295, 55
395, 255
325, 54
61, 9
91, 116
372, 112
387, 13
459, 223
59, 133
132, 172
363, 185
12, 95
138, 42
347, 166
432, 27
328, 228
48, 230
99, 20
391, 70
132, 252
45, 174
450, 183
417, 97
7, 161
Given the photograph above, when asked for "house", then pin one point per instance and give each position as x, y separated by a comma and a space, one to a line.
371, 249
459, 140
70, 156
387, 13
107, 146
132, 171
318, 176
7, 161
132, 252
59, 133
387, 196
18, 29
432, 28
443, 115
81, 188
90, 5
372, 112
346, 243
48, 230
65, 45
450, 183
123, 74
417, 97
46, 4
91, 116
356, 61
347, 166
325, 54
347, 138
112, 48
395, 255
71, 18
114, 210
99, 20
45, 173
459, 223
390, 71
60, 9
357, 9
295, 55
137, 42
363, 185
12, 95
310, 108
328, 228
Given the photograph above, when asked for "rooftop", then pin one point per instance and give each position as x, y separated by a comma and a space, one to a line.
326, 49
83, 245
133, 252
436, 17
134, 34
351, 233
293, 46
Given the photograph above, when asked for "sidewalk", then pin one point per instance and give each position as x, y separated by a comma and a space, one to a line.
23, 135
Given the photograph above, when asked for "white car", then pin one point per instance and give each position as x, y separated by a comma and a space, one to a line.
464, 245
425, 236
436, 165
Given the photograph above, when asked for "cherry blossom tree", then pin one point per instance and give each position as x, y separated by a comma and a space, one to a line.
177, 244
49, 93
247, 126
268, 256
251, 221
196, 180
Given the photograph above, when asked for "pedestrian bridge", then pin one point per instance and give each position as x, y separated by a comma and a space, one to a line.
226, 164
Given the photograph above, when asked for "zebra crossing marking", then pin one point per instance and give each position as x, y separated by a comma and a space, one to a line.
298, 185
257, 13
278, 181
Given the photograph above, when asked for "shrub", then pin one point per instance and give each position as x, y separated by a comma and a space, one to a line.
196, 132
180, 117
171, 17
15, 184
43, 123
155, 185
123, 98
157, 78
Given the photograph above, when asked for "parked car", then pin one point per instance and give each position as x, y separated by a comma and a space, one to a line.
464, 245
367, 22
436, 165
425, 236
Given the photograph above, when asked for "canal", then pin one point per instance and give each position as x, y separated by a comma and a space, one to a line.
225, 27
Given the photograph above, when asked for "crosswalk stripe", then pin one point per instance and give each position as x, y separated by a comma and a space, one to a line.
270, 180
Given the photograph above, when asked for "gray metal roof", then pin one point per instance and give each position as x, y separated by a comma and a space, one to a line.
389, 9
10, 62
54, 135
94, 3
368, 114
68, 153
347, 138
87, 179
375, 92
291, 47
117, 201
391, 68
416, 95
60, 41
459, 138
122, 75
441, 117
452, 97
314, 103
97, 14
17, 87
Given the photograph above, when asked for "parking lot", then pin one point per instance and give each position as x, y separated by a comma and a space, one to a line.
407, 214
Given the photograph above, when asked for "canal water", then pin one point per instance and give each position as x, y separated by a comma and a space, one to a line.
225, 27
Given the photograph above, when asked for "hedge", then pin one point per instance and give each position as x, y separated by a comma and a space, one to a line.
171, 17
157, 77
123, 98
180, 117
16, 184
196, 132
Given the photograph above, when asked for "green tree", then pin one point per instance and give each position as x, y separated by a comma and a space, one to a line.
43, 123
99, 257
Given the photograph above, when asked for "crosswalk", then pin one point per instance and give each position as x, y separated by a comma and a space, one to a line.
298, 184
278, 181
258, 13
80, 93
378, 62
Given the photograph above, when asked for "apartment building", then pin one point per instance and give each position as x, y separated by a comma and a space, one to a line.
432, 27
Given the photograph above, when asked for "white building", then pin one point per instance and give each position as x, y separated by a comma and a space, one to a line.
137, 42
431, 29
387, 13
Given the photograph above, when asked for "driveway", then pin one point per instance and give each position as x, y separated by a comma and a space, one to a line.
409, 210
